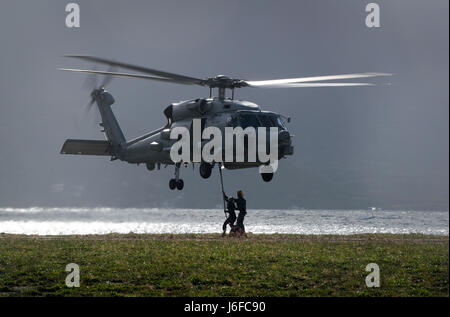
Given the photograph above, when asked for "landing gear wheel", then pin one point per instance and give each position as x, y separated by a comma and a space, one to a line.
172, 183
267, 177
205, 170
180, 184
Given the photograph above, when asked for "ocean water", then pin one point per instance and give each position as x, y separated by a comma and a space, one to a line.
65, 221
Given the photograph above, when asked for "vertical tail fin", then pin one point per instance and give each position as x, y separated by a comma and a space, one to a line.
109, 123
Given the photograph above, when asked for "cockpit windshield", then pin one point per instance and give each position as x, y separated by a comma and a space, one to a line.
260, 120
280, 123
271, 120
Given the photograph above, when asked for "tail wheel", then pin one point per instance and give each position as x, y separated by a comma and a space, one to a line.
205, 170
267, 177
180, 184
172, 184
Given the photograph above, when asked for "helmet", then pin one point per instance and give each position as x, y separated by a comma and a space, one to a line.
240, 194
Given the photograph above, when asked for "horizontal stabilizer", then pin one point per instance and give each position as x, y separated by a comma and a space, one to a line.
86, 147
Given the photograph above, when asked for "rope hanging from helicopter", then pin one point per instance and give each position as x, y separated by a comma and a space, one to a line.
223, 191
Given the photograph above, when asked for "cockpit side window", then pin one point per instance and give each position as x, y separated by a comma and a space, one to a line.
249, 120
232, 122
266, 121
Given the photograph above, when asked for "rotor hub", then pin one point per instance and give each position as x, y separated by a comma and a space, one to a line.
222, 81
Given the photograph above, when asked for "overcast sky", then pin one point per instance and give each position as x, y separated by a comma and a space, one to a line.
355, 147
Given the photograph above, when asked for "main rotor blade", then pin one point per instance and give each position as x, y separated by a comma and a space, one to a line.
179, 78
88, 71
258, 83
312, 85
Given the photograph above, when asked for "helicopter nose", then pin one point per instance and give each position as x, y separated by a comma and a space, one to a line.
284, 137
284, 142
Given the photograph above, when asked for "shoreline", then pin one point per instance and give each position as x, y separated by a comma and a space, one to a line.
364, 237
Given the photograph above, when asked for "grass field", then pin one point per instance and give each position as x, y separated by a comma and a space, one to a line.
208, 265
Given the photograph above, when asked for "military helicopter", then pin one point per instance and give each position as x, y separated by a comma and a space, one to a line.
153, 148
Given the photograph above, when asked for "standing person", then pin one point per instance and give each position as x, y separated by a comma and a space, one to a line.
242, 207
231, 216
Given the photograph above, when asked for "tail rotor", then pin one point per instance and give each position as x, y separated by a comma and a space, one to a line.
91, 83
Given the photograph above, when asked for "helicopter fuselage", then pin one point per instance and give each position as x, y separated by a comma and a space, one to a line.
154, 148
194, 117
